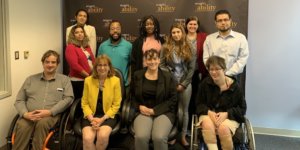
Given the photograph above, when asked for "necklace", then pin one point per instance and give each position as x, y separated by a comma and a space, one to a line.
192, 37
225, 86
101, 84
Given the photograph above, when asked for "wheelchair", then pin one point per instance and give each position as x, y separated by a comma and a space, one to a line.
243, 139
52, 140
71, 137
129, 114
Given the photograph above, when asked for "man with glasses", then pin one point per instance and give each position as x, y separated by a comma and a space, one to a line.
228, 44
118, 49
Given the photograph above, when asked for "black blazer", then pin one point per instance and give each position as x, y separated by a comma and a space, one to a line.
166, 97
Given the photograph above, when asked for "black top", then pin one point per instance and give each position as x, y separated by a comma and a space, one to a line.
99, 109
210, 97
165, 93
149, 92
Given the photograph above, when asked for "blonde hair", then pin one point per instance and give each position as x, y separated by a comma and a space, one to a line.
184, 48
103, 58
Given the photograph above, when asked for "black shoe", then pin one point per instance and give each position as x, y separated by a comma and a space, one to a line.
187, 147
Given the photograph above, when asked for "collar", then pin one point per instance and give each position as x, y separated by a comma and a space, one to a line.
77, 24
42, 77
231, 34
233, 86
110, 43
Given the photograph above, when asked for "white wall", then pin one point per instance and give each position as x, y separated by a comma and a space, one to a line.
273, 74
36, 26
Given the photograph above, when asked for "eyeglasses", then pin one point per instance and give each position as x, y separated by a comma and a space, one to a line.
221, 20
214, 69
102, 65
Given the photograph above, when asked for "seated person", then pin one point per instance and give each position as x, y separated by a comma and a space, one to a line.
100, 103
220, 105
39, 103
154, 96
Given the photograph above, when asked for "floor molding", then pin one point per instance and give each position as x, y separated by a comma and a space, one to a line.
277, 132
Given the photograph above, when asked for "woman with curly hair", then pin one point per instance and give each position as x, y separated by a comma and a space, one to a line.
149, 39
80, 59
177, 57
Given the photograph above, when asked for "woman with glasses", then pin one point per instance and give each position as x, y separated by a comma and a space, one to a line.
100, 103
79, 58
220, 105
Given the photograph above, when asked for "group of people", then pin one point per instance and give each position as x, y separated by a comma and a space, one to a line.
158, 74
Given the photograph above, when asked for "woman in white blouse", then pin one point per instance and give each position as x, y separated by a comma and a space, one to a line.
81, 17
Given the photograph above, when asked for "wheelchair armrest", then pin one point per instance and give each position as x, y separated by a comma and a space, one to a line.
118, 125
124, 112
74, 112
128, 112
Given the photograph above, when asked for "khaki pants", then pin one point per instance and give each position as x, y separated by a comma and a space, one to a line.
25, 129
231, 124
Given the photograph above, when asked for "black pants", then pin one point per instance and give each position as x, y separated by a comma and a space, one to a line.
77, 88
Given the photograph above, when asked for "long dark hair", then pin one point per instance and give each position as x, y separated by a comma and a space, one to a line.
192, 18
143, 32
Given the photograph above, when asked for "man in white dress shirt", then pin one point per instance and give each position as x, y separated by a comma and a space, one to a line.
228, 44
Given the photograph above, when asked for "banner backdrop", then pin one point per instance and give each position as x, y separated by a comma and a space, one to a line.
129, 13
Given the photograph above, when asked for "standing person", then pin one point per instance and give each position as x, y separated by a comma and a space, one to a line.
221, 105
196, 40
177, 57
118, 49
228, 44
154, 96
149, 39
80, 59
82, 19
100, 103
40, 101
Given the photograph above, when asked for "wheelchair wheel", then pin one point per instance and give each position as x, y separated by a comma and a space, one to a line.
194, 134
249, 135
51, 140
67, 139
10, 135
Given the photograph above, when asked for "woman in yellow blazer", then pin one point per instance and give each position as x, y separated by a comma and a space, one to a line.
100, 102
